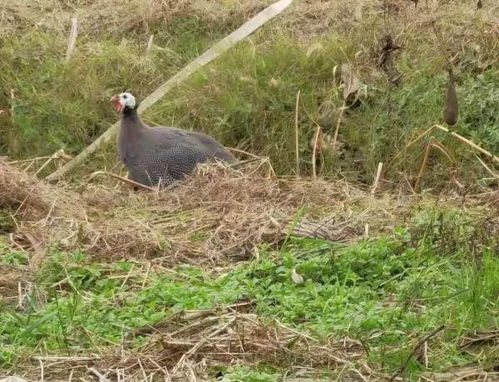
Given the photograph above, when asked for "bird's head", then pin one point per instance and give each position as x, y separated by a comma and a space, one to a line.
123, 102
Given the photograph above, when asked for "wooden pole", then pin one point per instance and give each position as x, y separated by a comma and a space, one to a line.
215, 51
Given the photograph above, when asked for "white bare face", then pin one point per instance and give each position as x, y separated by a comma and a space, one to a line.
123, 100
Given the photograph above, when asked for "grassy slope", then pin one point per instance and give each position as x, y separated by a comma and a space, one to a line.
247, 98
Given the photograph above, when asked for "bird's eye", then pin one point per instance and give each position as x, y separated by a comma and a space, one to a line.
124, 96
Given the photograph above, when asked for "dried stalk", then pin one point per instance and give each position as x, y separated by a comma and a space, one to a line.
297, 141
337, 129
438, 145
468, 142
122, 179
455, 135
149, 44
416, 348
494, 175
422, 168
58, 154
72, 38
406, 147
314, 151
376, 180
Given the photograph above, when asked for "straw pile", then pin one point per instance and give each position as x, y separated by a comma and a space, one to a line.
218, 215
186, 345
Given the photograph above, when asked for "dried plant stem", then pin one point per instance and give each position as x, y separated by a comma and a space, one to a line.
72, 38
469, 143
494, 175
422, 168
314, 151
404, 149
455, 135
378, 176
416, 348
122, 179
30, 159
337, 129
56, 155
149, 44
243, 152
297, 140
200, 344
439, 146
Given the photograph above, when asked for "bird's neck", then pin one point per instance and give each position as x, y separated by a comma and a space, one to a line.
131, 129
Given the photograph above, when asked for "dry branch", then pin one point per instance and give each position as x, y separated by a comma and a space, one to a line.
216, 50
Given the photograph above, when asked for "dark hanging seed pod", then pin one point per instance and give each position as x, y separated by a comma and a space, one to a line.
451, 108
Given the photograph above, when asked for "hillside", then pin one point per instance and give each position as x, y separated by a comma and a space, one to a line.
376, 259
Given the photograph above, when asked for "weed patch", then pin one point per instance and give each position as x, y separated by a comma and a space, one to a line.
385, 293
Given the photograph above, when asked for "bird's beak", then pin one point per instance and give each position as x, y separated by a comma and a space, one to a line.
117, 104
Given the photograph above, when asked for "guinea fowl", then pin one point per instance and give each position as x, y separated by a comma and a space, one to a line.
161, 155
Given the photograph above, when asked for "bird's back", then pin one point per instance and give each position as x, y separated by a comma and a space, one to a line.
166, 154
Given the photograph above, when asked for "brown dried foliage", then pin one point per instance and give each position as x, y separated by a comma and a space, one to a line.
186, 345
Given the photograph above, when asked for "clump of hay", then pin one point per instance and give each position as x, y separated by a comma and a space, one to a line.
191, 343
218, 215
22, 194
27, 198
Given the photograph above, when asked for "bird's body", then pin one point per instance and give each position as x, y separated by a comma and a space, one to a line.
163, 155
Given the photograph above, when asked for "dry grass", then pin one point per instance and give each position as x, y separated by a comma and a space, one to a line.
29, 199
218, 215
114, 16
186, 345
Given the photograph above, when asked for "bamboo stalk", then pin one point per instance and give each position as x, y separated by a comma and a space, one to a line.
72, 38
215, 51
297, 141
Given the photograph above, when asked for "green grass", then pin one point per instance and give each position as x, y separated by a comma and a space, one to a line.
386, 292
